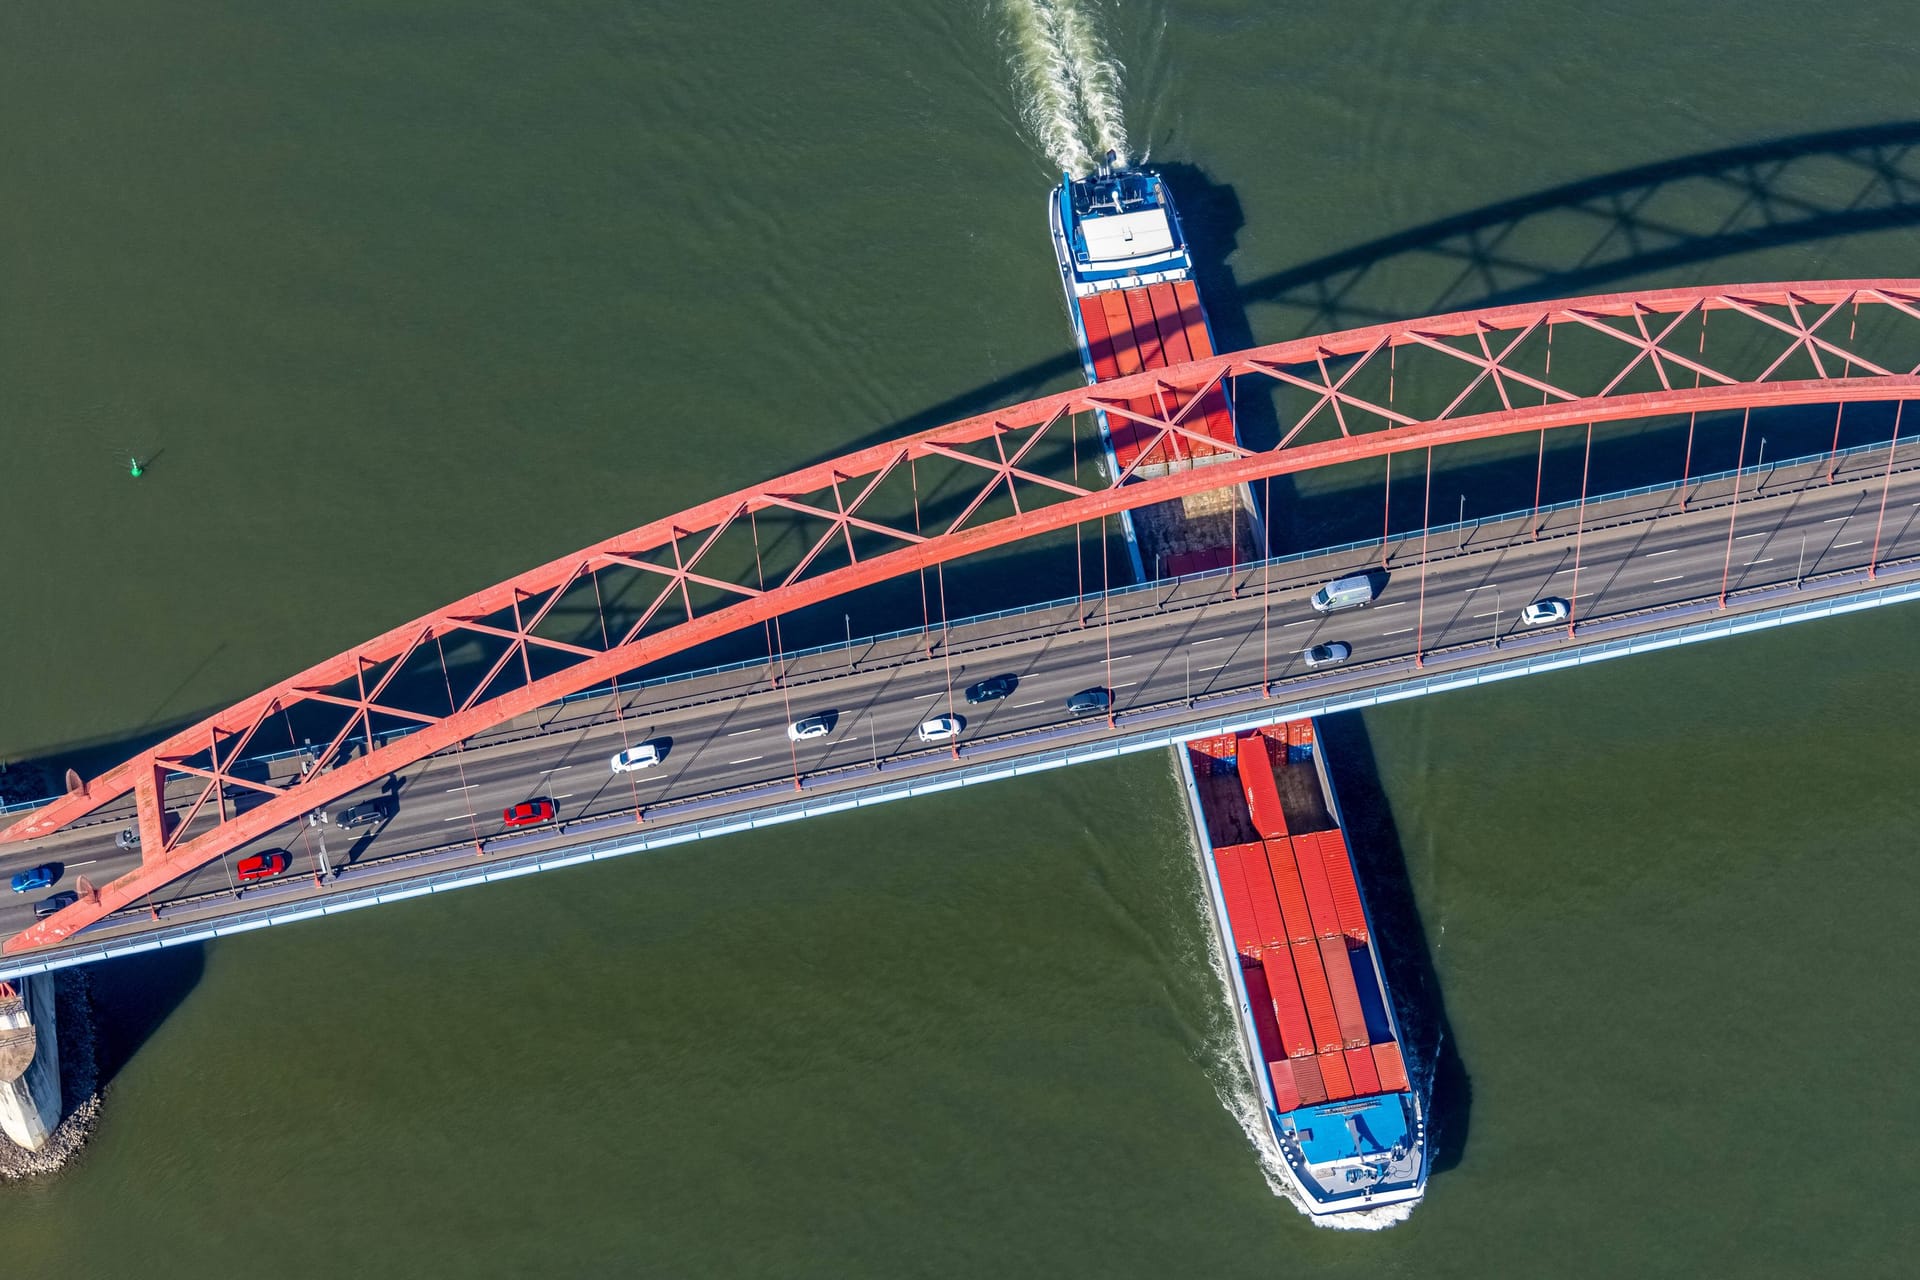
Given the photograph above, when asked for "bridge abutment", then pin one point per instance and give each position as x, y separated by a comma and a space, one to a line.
29, 1062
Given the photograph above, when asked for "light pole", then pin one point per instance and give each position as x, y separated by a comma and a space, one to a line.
848, 618
1461, 523
1186, 660
873, 740
1496, 616
1800, 569
1761, 462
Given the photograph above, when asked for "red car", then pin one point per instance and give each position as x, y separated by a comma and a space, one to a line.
263, 866
528, 813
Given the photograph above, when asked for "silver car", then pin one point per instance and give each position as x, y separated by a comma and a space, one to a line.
1327, 655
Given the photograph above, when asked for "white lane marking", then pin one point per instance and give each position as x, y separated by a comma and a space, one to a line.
89, 862
460, 817
1128, 685
1391, 604
1670, 551
737, 733
564, 795
1211, 640
1119, 657
1763, 533
747, 760
1215, 667
559, 768
1675, 578
1036, 702
468, 787
1856, 542
1557, 572
1837, 520
1302, 623
1488, 614
1768, 560
1402, 631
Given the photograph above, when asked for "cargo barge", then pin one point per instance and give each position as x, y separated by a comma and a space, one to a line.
1131, 297
1322, 1041
1320, 1033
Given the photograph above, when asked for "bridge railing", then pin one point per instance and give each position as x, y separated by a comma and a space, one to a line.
1233, 721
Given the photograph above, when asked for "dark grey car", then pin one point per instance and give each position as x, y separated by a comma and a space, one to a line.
368, 813
1090, 702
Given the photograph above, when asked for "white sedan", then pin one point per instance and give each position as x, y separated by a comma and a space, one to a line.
1545, 612
941, 729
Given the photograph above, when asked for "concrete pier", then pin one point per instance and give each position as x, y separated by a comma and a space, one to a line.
29, 1062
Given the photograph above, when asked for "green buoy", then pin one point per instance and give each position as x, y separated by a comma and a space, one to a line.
133, 468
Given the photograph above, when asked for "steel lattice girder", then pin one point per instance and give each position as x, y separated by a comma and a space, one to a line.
1490, 354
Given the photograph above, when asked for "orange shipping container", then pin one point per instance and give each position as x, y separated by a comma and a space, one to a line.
1286, 1093
1346, 997
1289, 1011
1333, 1069
1233, 887
1346, 893
1313, 989
1286, 887
1393, 1070
1313, 878
1366, 1077
1269, 926
1306, 1077
1260, 1003
1263, 796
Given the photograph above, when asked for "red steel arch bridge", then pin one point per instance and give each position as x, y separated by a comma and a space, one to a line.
750, 557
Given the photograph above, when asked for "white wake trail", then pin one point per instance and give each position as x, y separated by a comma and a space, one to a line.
1070, 86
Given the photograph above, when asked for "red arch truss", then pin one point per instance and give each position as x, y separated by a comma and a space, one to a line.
977, 484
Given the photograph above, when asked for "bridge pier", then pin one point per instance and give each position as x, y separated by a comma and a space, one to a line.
29, 1062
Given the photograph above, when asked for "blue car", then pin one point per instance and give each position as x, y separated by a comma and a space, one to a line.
37, 878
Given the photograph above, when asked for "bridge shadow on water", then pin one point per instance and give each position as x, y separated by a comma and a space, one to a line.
133, 997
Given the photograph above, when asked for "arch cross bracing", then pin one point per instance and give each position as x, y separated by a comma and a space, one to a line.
971, 486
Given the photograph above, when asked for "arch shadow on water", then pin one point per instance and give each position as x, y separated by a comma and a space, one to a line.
1381, 863
1562, 241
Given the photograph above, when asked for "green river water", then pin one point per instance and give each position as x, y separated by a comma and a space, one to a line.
397, 298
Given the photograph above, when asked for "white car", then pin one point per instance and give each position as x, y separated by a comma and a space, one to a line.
634, 759
1545, 612
941, 729
811, 727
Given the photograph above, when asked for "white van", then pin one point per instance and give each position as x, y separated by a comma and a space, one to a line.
1349, 592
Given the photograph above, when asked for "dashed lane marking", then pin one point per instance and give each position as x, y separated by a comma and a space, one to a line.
1856, 542
1402, 631
747, 760
1675, 578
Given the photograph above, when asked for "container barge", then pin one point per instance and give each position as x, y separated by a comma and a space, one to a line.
1322, 1042
1134, 306
1321, 1036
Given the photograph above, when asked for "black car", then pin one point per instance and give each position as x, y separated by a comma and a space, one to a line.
1090, 702
368, 813
58, 902
992, 688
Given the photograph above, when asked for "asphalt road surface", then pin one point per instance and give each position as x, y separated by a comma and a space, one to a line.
726, 733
